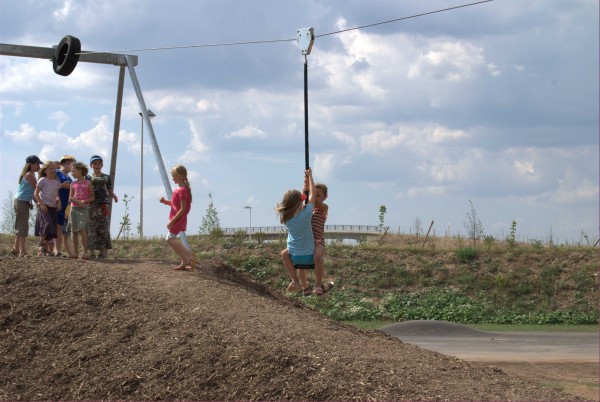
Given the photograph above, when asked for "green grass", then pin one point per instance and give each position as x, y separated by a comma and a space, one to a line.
396, 280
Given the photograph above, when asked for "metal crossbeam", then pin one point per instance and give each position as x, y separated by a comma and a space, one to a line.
48, 52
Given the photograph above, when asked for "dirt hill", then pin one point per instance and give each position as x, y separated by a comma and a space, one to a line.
136, 330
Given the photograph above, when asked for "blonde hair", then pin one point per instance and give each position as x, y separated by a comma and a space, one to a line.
292, 200
26, 169
66, 158
46, 166
81, 167
181, 171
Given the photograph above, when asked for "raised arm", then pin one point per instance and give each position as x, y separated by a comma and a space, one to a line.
311, 186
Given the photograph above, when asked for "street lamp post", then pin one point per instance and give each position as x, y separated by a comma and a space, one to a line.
250, 232
150, 115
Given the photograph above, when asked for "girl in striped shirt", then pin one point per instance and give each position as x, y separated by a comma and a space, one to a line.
319, 217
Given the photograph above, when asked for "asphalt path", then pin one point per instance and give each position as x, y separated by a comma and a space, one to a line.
471, 344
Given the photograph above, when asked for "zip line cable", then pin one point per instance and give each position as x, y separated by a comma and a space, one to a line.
403, 18
293, 39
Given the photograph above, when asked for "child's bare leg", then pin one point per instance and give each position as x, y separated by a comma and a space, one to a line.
289, 266
59, 239
84, 241
182, 252
303, 273
66, 238
76, 245
319, 257
20, 246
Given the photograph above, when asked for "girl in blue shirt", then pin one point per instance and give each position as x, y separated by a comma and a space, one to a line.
23, 203
300, 244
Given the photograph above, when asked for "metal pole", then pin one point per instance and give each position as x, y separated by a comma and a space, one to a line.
117, 126
306, 164
142, 179
250, 230
150, 116
155, 148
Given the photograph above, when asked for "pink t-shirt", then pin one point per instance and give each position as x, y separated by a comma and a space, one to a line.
80, 190
48, 191
180, 194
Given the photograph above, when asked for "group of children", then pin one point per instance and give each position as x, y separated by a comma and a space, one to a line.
81, 205
78, 205
304, 215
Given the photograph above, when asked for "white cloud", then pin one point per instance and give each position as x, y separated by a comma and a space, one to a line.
447, 61
247, 132
197, 149
572, 188
26, 133
63, 13
525, 168
181, 102
415, 192
61, 117
324, 165
381, 141
493, 70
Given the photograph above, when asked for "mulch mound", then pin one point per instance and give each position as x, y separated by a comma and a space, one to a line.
136, 330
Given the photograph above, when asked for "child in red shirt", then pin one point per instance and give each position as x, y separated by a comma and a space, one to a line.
181, 202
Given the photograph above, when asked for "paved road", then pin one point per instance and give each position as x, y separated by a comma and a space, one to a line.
470, 344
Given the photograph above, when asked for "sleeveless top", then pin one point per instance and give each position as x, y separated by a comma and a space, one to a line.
80, 190
25, 191
300, 237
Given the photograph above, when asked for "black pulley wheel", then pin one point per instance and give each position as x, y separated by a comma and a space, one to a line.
66, 55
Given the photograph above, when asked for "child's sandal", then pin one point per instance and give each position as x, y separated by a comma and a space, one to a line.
324, 288
307, 291
294, 287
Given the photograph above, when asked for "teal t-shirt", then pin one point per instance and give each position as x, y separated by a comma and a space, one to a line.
25, 191
300, 238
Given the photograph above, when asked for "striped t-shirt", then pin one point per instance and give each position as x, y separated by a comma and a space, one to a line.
318, 225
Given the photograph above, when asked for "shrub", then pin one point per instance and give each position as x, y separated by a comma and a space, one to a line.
465, 254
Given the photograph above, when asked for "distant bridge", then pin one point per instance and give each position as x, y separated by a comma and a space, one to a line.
337, 232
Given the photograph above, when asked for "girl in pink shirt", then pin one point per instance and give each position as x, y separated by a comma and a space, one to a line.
181, 203
81, 195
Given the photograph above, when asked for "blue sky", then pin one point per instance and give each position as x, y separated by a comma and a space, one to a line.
495, 103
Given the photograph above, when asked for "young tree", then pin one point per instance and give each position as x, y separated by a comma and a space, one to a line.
126, 221
382, 211
8, 214
473, 225
210, 222
418, 226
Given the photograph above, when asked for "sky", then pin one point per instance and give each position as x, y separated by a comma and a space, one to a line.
494, 104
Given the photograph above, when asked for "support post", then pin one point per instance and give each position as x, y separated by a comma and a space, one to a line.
150, 131
427, 234
117, 128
